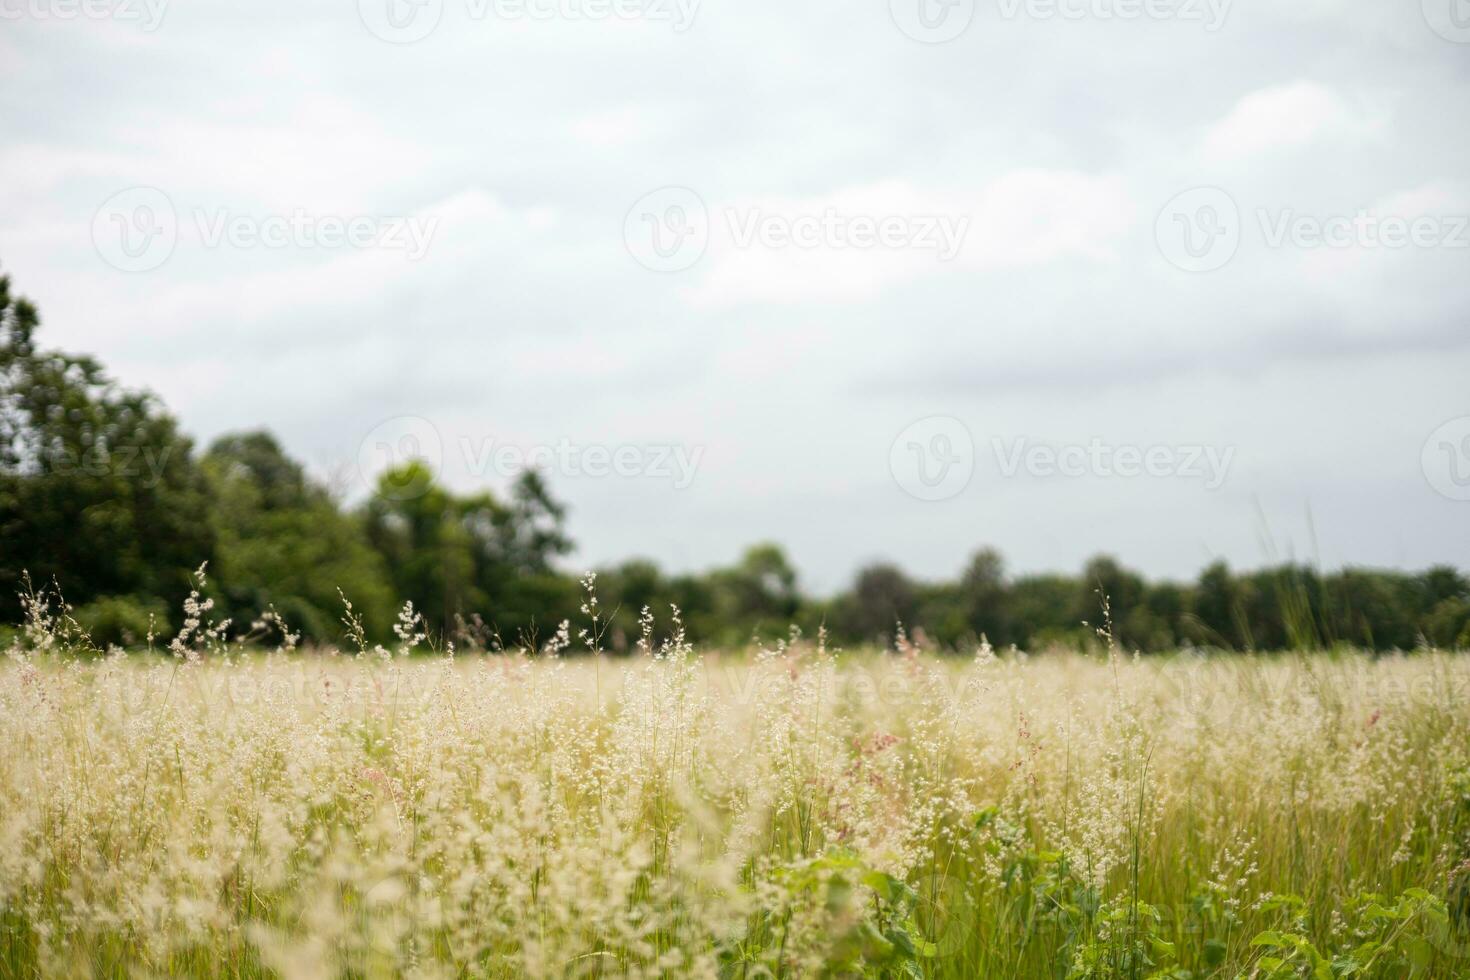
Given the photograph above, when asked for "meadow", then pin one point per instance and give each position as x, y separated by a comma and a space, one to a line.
230, 809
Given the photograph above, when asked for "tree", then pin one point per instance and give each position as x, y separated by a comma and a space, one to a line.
882, 597
512, 547
1219, 615
416, 526
98, 488
455, 557
759, 592
983, 591
282, 541
1042, 608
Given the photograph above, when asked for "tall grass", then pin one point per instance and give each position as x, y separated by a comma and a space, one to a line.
794, 812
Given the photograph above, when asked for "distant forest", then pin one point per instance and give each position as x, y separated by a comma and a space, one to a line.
103, 497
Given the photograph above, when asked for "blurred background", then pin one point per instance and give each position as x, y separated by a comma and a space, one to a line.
805, 308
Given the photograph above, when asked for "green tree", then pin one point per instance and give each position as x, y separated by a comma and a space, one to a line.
1218, 618
984, 593
1042, 609
416, 526
882, 597
283, 541
758, 593
98, 488
456, 557
512, 548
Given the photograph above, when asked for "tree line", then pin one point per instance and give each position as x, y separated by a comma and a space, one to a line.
104, 496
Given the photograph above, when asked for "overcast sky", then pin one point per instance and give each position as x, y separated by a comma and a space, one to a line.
1172, 279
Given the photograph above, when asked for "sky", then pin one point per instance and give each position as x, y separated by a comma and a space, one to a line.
1175, 280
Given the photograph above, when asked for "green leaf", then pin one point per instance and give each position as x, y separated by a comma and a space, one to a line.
876, 948
839, 893
902, 941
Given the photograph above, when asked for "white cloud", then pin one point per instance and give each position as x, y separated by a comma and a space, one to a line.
1440, 197
1283, 116
1022, 218
37, 168
614, 127
795, 366
320, 151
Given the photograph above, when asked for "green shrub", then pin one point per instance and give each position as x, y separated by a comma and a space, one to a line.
125, 621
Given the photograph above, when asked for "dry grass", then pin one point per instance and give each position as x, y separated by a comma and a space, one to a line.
792, 813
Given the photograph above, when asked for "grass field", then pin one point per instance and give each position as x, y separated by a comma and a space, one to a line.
789, 813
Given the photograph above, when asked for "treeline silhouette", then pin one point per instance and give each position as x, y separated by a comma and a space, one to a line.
103, 497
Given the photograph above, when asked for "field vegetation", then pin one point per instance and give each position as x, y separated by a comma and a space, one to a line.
223, 807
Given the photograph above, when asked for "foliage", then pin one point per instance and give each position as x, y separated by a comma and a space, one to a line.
123, 621
234, 810
97, 486
283, 542
101, 492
